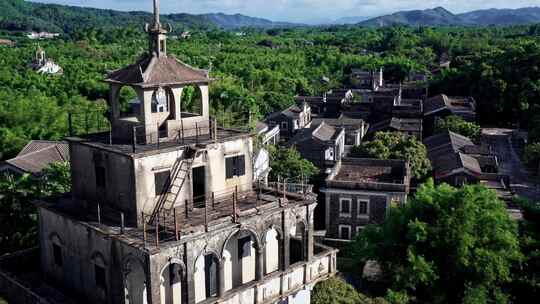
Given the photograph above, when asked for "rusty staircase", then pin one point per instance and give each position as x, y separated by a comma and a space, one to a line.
179, 173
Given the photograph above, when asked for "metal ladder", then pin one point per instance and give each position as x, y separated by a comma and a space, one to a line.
179, 173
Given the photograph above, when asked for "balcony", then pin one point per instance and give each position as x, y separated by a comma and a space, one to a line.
225, 206
280, 285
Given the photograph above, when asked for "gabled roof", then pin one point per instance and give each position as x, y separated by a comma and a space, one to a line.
446, 142
291, 112
158, 70
38, 154
398, 124
444, 165
457, 105
322, 132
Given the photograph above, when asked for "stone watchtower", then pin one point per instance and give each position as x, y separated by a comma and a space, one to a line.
158, 80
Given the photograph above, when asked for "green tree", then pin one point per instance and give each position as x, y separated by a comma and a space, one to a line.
337, 291
18, 216
446, 245
393, 145
457, 125
526, 283
55, 179
288, 163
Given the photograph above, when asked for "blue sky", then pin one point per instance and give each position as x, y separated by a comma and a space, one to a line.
298, 10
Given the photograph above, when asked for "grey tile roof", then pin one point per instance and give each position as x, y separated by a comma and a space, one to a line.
463, 106
37, 155
322, 132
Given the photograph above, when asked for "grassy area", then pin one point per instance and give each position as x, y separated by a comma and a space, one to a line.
2, 301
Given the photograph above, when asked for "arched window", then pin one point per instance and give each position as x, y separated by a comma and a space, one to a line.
57, 250
206, 277
240, 259
100, 273
271, 251
298, 242
191, 101
171, 281
128, 102
135, 291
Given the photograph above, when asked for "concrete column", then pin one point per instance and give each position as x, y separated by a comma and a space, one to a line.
153, 282
190, 272
259, 263
285, 242
205, 101
309, 234
114, 92
221, 277
177, 96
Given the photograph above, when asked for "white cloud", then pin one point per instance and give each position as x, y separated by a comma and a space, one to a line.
299, 10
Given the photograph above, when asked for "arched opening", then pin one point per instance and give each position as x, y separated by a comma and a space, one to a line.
100, 275
161, 100
298, 243
171, 281
206, 277
135, 291
272, 251
239, 258
191, 101
129, 104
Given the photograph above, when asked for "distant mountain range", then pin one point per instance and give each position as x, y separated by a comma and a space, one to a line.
23, 15
441, 16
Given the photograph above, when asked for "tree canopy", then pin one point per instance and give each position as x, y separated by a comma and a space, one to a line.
446, 245
288, 163
458, 125
393, 145
337, 291
18, 216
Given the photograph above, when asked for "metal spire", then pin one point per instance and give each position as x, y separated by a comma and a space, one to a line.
156, 13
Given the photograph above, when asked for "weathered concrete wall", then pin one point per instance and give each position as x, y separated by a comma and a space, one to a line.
80, 247
377, 208
119, 188
212, 158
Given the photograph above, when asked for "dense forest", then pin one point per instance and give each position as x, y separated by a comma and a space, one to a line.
497, 66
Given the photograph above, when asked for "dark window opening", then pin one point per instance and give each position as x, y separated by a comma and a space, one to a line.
57, 254
345, 206
244, 247
199, 186
211, 275
235, 166
161, 181
362, 207
344, 233
100, 177
100, 276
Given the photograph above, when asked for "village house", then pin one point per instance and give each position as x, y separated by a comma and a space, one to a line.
457, 160
290, 120
359, 192
36, 156
322, 144
164, 209
362, 79
42, 35
442, 106
355, 128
